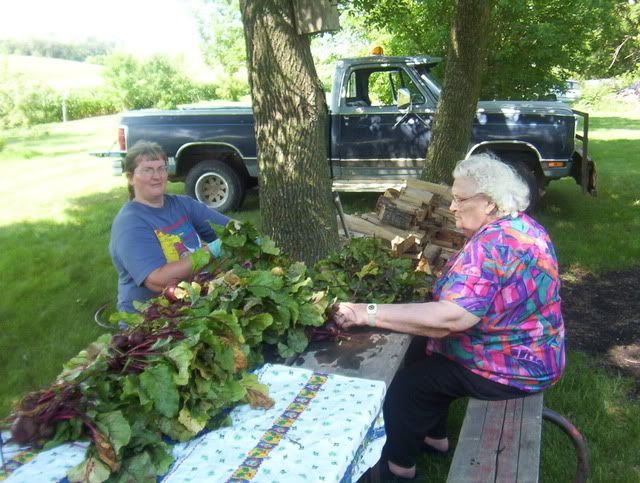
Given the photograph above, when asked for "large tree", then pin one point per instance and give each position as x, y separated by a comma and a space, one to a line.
535, 44
291, 118
466, 58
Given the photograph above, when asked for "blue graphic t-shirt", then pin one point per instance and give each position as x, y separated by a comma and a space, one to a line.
144, 238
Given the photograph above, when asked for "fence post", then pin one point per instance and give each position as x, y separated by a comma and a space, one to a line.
65, 96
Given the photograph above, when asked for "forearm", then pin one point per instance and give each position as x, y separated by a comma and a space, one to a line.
431, 319
426, 319
171, 273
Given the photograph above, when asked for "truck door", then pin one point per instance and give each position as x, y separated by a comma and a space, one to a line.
373, 138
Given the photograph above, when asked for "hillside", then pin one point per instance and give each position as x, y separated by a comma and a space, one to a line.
56, 73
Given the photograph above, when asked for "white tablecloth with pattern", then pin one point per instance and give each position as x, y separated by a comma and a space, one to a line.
323, 428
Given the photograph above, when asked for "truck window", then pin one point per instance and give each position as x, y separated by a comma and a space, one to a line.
379, 87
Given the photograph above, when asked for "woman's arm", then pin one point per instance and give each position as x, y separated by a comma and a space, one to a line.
172, 272
431, 319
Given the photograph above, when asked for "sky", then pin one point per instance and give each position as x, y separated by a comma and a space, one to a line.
141, 27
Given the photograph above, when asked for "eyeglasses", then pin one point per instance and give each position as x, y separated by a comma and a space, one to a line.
459, 201
148, 172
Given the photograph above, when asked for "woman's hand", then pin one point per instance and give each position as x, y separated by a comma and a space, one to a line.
350, 315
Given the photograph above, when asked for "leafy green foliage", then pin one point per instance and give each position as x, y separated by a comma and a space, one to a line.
25, 104
223, 46
363, 271
184, 358
156, 82
533, 45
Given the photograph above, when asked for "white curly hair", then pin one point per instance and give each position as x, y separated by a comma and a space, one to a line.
497, 180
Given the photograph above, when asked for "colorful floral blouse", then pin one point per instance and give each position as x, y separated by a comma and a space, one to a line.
506, 274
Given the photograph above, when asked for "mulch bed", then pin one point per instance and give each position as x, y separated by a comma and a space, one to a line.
602, 316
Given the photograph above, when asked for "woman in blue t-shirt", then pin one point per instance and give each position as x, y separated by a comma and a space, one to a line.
155, 235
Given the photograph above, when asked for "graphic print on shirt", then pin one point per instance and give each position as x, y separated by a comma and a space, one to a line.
178, 239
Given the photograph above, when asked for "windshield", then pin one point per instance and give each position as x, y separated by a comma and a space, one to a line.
427, 78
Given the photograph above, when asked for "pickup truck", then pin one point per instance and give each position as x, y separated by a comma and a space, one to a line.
381, 113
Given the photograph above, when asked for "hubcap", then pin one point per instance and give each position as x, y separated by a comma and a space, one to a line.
212, 189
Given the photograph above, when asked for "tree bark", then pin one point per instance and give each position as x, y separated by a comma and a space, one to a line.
466, 59
291, 121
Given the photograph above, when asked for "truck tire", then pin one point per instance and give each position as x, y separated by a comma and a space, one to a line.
215, 184
529, 177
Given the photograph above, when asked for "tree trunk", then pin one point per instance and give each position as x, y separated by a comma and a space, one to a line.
291, 120
466, 58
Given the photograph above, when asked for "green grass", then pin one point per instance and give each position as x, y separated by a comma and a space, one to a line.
57, 73
600, 233
58, 204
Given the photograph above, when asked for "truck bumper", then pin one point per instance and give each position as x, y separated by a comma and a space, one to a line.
117, 159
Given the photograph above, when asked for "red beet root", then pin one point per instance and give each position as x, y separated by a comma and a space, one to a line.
24, 430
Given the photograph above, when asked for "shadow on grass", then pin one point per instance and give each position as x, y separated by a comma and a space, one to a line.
57, 274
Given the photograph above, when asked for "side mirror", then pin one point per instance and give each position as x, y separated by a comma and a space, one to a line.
404, 98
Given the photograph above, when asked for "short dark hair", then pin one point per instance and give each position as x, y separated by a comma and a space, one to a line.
141, 151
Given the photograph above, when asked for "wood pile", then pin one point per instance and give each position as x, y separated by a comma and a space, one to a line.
415, 221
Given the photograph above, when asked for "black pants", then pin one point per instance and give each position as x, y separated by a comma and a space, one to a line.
418, 399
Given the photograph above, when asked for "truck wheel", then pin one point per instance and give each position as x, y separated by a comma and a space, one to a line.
215, 184
529, 177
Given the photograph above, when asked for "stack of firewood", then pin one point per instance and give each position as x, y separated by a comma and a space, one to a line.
415, 221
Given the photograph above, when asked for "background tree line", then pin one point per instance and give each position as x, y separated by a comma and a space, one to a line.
129, 83
532, 47
89, 49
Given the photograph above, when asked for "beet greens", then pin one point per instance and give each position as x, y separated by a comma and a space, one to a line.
183, 361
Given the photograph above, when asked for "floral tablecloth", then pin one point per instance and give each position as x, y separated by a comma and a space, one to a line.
322, 428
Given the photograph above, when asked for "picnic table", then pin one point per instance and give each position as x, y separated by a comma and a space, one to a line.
327, 413
363, 352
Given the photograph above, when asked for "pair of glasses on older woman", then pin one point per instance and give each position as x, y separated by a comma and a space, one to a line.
458, 201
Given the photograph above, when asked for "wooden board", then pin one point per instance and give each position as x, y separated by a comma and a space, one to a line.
367, 353
499, 441
367, 185
357, 224
530, 439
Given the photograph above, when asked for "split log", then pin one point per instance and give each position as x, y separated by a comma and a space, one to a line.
454, 237
416, 196
400, 246
431, 253
441, 190
414, 230
355, 223
445, 213
394, 215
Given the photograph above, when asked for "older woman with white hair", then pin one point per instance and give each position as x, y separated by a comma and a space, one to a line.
494, 329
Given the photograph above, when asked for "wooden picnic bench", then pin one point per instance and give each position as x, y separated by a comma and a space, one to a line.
500, 441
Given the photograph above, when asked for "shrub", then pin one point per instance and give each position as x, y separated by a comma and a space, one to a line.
82, 104
232, 87
593, 93
28, 104
157, 82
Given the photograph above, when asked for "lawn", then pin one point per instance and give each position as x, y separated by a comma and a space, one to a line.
59, 203
56, 73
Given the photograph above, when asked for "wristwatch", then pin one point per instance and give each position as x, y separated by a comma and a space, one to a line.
372, 310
